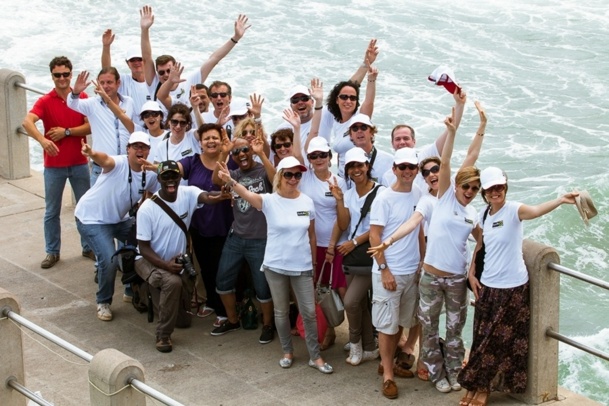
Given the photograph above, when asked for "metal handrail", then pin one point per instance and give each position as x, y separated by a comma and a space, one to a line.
557, 336
578, 275
31, 89
137, 384
12, 383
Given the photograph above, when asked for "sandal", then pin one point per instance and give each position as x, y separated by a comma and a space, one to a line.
466, 400
204, 311
477, 402
423, 374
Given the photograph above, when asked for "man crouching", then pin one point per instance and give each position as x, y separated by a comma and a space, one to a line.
162, 241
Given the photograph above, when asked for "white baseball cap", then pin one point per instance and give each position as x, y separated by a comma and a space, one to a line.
355, 154
139, 136
405, 155
150, 106
290, 162
318, 144
360, 118
492, 176
299, 89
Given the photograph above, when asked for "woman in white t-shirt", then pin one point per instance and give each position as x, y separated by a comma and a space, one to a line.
499, 352
183, 141
289, 256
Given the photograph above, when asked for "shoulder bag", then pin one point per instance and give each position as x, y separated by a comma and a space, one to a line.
329, 300
479, 258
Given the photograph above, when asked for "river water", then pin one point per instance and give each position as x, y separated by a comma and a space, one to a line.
537, 67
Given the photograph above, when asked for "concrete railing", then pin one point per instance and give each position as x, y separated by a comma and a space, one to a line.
14, 146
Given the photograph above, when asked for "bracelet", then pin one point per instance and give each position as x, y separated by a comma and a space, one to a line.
257, 120
364, 66
354, 241
371, 81
319, 108
480, 134
330, 253
232, 39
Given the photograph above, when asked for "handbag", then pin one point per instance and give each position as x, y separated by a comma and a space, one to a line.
322, 325
358, 261
479, 258
329, 299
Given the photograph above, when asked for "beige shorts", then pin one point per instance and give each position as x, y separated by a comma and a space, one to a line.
392, 309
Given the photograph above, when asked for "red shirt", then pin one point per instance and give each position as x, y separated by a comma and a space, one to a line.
54, 112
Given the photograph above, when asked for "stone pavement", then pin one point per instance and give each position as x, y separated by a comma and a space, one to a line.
233, 369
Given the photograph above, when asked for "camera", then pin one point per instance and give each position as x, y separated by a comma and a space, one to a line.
186, 262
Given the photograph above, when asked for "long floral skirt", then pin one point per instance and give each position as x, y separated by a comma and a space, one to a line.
499, 353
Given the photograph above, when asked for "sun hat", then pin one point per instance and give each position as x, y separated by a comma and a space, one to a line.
150, 106
290, 162
318, 144
139, 136
355, 154
444, 76
585, 205
492, 176
405, 155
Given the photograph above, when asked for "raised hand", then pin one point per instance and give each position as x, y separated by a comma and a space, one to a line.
317, 91
257, 146
449, 122
146, 17
194, 97
85, 148
371, 52
481, 112
224, 173
223, 116
292, 117
100, 91
227, 144
336, 191
373, 72
256, 101
107, 37
81, 82
459, 95
240, 26
175, 73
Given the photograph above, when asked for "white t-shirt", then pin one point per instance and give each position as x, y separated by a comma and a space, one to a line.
338, 134
138, 91
305, 129
210, 118
382, 163
288, 246
180, 94
153, 224
325, 204
426, 206
503, 262
112, 196
390, 210
449, 228
354, 203
425, 152
167, 150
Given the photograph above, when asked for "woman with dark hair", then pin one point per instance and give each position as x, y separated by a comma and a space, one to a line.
285, 142
182, 141
500, 347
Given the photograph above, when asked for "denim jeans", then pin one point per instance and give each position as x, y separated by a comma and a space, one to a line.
305, 296
100, 238
235, 251
54, 184
96, 170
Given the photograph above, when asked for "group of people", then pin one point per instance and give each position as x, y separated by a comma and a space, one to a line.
181, 167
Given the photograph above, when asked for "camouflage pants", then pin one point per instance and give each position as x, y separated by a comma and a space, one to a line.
434, 291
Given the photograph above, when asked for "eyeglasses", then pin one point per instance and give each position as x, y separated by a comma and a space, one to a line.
137, 60
433, 169
290, 175
347, 97
285, 145
356, 128
495, 188
237, 151
222, 95
61, 74
245, 133
467, 186
139, 146
169, 175
313, 156
163, 72
356, 165
403, 167
296, 99
147, 114
181, 123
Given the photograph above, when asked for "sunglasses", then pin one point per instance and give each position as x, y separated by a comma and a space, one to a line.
147, 114
347, 97
356, 165
222, 95
403, 167
297, 99
433, 169
290, 175
245, 133
314, 156
139, 146
137, 60
169, 175
467, 186
495, 188
175, 123
237, 151
285, 145
62, 74
163, 72
356, 128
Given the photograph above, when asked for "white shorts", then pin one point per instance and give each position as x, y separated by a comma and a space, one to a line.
391, 309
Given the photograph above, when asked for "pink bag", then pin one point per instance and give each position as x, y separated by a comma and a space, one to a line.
322, 325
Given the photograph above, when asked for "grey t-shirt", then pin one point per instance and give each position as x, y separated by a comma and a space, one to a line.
250, 223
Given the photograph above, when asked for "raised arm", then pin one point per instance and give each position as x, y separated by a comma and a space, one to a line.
227, 146
146, 21
252, 198
258, 148
370, 55
107, 40
474, 148
447, 153
367, 106
317, 93
343, 216
255, 111
460, 99
174, 78
293, 118
115, 108
194, 102
526, 212
100, 158
240, 27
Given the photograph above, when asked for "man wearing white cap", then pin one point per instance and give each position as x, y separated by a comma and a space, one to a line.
106, 211
362, 132
394, 273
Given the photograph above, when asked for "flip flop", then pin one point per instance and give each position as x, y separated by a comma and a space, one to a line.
466, 400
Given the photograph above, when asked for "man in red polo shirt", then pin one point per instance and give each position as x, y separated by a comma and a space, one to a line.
64, 129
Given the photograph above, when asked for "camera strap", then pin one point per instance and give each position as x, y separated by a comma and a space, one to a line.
174, 217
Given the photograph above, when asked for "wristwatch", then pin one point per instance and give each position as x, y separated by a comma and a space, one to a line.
67, 132
382, 267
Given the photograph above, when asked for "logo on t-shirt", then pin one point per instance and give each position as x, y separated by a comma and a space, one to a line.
498, 223
328, 194
183, 216
303, 213
469, 221
187, 152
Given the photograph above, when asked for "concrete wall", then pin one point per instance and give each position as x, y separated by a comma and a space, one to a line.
14, 147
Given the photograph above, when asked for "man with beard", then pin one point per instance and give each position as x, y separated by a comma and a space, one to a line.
163, 245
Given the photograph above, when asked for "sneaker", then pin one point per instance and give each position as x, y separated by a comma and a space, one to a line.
454, 385
355, 353
164, 344
103, 312
267, 335
390, 389
443, 386
89, 254
219, 321
370, 355
127, 298
347, 347
227, 327
49, 261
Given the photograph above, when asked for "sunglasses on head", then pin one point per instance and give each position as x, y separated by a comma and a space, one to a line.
147, 114
237, 151
403, 167
433, 169
285, 145
495, 188
467, 186
222, 95
169, 175
356, 128
290, 175
313, 156
245, 133
296, 99
347, 97
61, 74
136, 60
163, 72
182, 123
